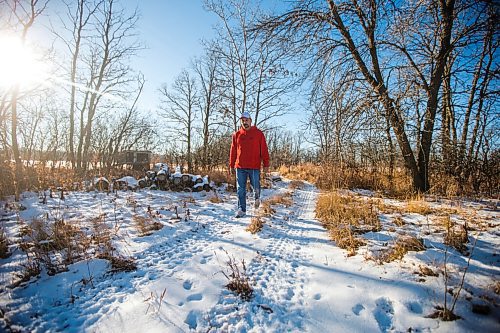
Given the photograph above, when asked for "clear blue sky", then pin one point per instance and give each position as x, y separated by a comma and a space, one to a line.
172, 31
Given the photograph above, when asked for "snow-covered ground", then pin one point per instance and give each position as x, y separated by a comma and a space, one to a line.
302, 282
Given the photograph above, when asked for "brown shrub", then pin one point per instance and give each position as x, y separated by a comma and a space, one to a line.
398, 220
427, 271
220, 177
456, 236
146, 225
120, 264
401, 246
307, 172
256, 225
266, 209
4, 244
239, 281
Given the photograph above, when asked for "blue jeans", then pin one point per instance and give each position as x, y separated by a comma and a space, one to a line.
241, 182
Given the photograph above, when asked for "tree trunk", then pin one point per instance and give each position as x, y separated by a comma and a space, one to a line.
18, 174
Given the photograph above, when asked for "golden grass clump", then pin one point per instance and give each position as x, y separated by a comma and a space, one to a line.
346, 216
120, 264
146, 225
256, 225
427, 271
215, 199
401, 246
266, 209
398, 220
281, 199
419, 207
306, 172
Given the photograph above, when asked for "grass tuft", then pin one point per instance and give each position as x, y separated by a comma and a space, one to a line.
256, 225
4, 245
419, 207
400, 248
146, 225
345, 216
239, 282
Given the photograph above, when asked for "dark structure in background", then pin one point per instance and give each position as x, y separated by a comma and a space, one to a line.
136, 159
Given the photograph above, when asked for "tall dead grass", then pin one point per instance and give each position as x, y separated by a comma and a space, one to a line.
399, 248
345, 217
331, 176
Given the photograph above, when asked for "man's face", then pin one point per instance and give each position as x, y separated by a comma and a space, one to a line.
246, 122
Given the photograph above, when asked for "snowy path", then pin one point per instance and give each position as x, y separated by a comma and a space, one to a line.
277, 275
302, 282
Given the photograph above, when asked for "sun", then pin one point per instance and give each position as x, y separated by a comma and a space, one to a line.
20, 64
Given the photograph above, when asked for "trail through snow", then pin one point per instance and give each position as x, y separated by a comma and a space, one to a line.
302, 282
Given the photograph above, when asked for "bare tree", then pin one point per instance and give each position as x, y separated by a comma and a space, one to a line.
127, 132
180, 105
79, 17
108, 74
24, 15
210, 101
377, 38
253, 67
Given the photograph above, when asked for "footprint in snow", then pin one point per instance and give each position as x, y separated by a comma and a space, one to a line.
384, 313
195, 297
187, 285
289, 294
191, 320
357, 309
415, 307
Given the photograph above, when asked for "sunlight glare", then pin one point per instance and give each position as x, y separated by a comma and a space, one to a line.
19, 64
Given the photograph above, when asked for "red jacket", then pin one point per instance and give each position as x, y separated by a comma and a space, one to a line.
248, 149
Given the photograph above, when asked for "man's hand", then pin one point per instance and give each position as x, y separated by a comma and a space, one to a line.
232, 171
266, 170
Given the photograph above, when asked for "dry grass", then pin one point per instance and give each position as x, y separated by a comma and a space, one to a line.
101, 235
256, 225
120, 264
456, 236
266, 209
427, 271
398, 220
443, 314
215, 198
239, 282
419, 207
4, 245
496, 287
54, 245
281, 199
304, 172
220, 177
402, 245
296, 184
346, 216
30, 269
146, 225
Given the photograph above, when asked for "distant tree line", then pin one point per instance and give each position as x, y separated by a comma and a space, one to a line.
389, 86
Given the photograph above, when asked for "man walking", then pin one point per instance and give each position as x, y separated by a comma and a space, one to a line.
248, 152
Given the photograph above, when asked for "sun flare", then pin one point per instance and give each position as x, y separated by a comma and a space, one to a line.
20, 64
